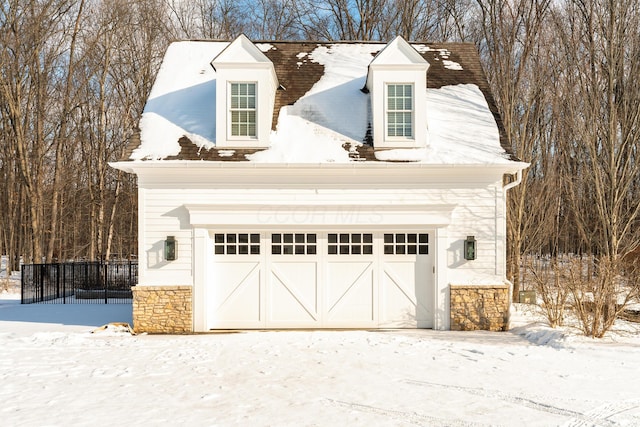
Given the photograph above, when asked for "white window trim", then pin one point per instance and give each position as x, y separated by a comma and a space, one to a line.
386, 111
230, 135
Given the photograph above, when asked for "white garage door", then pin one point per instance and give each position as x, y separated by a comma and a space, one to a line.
321, 280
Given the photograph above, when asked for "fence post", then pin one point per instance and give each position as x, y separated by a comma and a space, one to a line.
103, 277
41, 278
22, 284
58, 281
64, 282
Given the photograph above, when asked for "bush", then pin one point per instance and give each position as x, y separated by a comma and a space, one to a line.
550, 291
595, 290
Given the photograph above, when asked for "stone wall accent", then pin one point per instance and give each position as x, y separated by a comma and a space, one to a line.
484, 307
162, 309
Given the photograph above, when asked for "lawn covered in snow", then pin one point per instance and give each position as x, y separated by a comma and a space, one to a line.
54, 371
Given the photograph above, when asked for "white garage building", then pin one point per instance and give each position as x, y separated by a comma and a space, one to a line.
321, 185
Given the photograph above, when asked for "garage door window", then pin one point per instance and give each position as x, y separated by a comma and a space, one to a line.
237, 244
406, 244
350, 244
293, 244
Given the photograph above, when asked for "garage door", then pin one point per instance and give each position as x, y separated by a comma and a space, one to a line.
320, 280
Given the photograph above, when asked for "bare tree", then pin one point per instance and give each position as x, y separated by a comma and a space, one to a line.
601, 120
32, 46
516, 58
341, 19
209, 19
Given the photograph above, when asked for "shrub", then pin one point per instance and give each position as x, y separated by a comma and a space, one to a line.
552, 295
596, 291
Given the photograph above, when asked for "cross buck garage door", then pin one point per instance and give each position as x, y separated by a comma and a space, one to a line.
321, 280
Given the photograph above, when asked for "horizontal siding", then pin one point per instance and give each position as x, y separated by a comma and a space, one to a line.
165, 215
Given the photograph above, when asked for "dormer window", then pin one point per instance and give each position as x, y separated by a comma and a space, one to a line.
397, 85
246, 85
399, 111
243, 109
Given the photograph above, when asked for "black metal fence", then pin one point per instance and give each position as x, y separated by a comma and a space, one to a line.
79, 282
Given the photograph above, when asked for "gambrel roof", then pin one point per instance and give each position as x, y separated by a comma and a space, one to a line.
322, 112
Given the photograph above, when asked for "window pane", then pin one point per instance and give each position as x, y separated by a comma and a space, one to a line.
243, 109
392, 90
276, 250
255, 238
399, 110
243, 238
333, 238
311, 238
391, 131
288, 238
219, 238
276, 238
219, 250
333, 249
255, 250
311, 250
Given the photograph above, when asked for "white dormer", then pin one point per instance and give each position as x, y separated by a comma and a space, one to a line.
246, 85
397, 84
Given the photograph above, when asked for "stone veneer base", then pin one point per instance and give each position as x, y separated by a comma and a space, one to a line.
482, 307
162, 309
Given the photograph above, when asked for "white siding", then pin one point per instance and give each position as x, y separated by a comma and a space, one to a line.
189, 200
479, 212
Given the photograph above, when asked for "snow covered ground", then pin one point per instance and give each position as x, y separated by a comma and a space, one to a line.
55, 372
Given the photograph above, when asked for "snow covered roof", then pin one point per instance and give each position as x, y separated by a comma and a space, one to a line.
321, 114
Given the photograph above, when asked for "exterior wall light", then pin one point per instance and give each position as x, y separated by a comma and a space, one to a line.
170, 249
470, 248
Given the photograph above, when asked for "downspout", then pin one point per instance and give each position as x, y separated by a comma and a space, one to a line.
506, 188
515, 183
